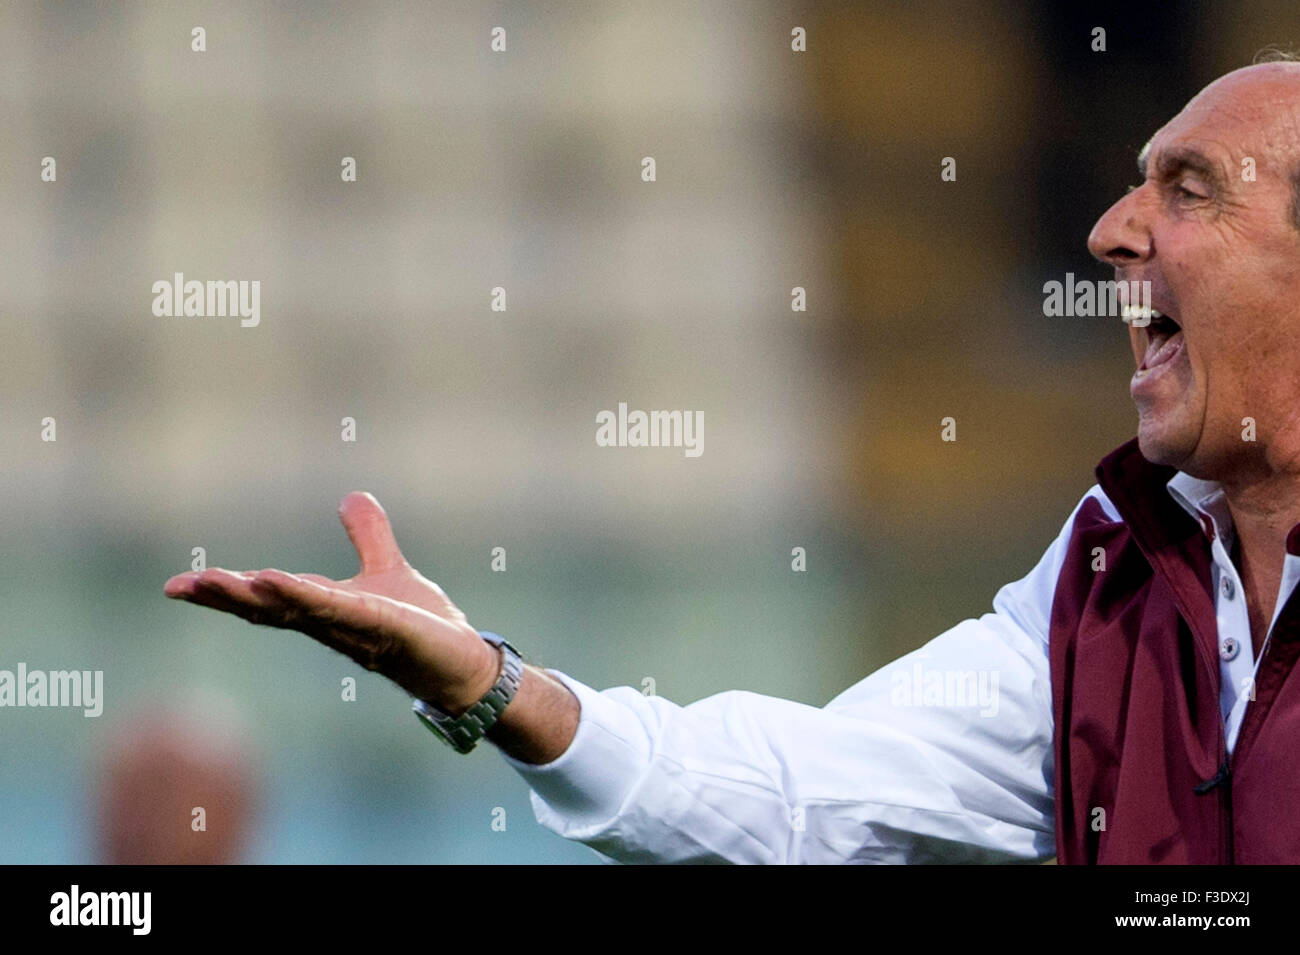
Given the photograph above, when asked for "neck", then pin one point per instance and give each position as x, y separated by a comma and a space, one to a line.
1263, 511
1265, 504
1261, 527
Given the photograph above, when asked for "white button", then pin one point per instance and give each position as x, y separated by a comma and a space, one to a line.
1228, 589
1228, 648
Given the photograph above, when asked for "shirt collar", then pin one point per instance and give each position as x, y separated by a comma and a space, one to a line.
1208, 505
1205, 502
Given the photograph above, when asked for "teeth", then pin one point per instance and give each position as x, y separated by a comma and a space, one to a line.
1139, 316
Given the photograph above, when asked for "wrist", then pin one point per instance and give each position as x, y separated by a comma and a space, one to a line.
476, 688
540, 723
461, 727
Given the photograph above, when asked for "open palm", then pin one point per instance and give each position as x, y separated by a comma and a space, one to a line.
389, 617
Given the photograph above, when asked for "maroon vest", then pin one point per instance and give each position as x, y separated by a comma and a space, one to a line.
1135, 695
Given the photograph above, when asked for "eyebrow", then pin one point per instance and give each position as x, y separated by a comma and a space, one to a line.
1179, 159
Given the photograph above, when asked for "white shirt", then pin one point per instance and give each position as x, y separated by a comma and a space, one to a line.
944, 755
1237, 661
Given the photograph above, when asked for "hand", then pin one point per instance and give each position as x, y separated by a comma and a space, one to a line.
389, 617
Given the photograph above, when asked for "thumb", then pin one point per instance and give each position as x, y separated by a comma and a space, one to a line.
371, 534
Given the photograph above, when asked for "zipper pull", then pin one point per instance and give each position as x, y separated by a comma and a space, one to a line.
1217, 779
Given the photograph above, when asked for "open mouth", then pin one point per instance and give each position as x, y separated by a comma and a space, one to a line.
1164, 337
1162, 334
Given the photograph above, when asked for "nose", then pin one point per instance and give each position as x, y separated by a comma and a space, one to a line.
1122, 236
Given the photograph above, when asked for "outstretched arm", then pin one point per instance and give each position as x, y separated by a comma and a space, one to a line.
391, 619
944, 755
885, 772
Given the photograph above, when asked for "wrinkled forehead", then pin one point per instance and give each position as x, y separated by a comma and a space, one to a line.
1248, 113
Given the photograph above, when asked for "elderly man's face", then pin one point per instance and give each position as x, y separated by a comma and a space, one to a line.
1223, 258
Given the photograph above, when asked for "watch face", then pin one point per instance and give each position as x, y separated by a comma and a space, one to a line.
431, 722
444, 726
427, 711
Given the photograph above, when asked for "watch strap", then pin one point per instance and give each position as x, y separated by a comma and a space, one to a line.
463, 732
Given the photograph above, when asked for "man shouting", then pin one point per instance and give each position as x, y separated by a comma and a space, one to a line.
1145, 708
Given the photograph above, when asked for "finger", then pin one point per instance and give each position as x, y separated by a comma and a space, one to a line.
314, 578
318, 579
184, 585
181, 586
333, 605
232, 592
371, 534
368, 627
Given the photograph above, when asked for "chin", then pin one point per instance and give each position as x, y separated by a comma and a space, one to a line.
1161, 444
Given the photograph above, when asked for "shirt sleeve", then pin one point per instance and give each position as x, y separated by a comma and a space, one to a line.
944, 755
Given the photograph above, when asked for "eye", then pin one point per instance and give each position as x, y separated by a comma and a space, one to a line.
1185, 193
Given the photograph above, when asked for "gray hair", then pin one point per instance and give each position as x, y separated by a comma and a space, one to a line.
1275, 54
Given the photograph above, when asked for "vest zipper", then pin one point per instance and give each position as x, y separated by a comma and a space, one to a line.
1226, 819
1222, 781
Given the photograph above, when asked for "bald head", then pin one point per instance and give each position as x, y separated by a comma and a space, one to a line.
177, 786
1261, 105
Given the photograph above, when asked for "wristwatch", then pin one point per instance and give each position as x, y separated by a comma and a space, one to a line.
463, 732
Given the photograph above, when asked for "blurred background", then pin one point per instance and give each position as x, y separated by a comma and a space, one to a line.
476, 428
